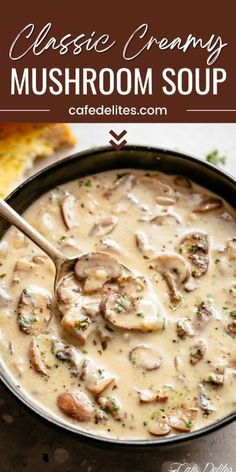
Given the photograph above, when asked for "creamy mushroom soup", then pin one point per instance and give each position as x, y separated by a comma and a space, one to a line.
140, 354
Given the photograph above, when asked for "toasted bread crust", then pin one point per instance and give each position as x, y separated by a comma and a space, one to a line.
22, 143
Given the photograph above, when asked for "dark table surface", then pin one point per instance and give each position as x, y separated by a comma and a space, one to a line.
28, 445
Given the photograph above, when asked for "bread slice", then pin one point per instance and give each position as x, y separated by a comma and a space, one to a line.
22, 143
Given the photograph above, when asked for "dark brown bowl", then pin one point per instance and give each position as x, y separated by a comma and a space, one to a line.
97, 160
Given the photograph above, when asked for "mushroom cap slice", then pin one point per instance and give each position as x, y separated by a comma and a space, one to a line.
77, 324
34, 309
145, 357
76, 405
73, 305
143, 244
96, 269
156, 184
183, 182
96, 378
208, 204
197, 352
183, 421
184, 329
121, 187
174, 269
158, 428
151, 395
69, 292
69, 354
166, 219
35, 359
113, 406
195, 247
68, 211
104, 226
121, 313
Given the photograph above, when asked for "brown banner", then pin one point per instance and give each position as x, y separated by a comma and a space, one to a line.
118, 62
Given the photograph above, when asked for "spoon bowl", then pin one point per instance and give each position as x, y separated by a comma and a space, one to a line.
64, 265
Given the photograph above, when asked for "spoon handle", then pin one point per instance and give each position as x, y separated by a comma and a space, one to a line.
15, 219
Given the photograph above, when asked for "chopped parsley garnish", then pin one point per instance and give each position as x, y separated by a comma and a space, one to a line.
121, 304
140, 315
27, 321
119, 176
217, 261
88, 183
215, 158
25, 291
188, 424
212, 379
233, 314
114, 406
83, 324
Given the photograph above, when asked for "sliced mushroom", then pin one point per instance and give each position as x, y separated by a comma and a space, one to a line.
113, 406
204, 402
158, 428
120, 188
76, 405
90, 305
22, 266
184, 420
69, 292
96, 269
166, 219
34, 310
145, 358
68, 211
183, 182
5, 299
40, 259
195, 248
225, 215
197, 352
104, 226
77, 324
204, 311
35, 359
184, 329
151, 395
127, 308
155, 184
174, 270
208, 204
76, 316
165, 201
96, 378
231, 328
69, 246
69, 354
143, 244
111, 245
216, 379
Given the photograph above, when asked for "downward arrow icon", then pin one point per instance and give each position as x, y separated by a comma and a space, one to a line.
117, 137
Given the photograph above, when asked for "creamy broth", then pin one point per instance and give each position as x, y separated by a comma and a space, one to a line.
152, 355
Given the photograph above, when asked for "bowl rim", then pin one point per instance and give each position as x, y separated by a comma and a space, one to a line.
44, 414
